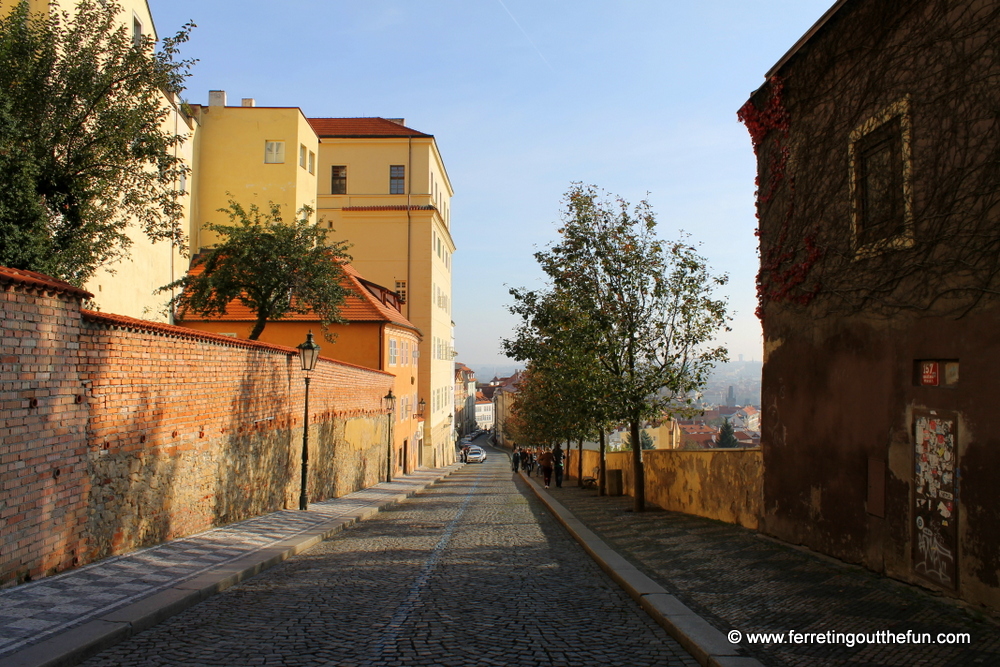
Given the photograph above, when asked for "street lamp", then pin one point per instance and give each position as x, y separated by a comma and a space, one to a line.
420, 407
308, 354
390, 404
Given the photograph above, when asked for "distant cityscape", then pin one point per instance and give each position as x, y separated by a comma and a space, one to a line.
742, 376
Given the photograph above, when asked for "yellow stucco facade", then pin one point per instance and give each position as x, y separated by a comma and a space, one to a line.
253, 155
401, 238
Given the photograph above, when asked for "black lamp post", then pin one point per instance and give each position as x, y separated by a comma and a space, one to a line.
308, 354
390, 404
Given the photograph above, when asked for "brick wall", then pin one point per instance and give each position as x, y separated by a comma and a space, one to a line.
120, 433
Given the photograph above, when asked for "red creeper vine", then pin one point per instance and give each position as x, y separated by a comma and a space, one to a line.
779, 273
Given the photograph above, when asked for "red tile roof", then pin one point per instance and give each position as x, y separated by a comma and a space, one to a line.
361, 127
36, 280
359, 306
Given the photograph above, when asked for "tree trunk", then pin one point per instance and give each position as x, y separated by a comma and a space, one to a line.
602, 489
638, 478
579, 464
257, 328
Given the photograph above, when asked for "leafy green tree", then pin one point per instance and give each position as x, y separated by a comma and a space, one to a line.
647, 309
84, 148
554, 337
271, 267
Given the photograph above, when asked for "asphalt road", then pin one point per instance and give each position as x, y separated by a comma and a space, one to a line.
472, 572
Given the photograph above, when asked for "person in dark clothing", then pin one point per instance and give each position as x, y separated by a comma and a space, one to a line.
515, 459
557, 465
528, 460
545, 463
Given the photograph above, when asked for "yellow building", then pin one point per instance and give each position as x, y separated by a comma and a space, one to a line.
384, 188
252, 155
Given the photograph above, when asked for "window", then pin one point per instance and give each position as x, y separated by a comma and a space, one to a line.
397, 179
184, 183
136, 32
312, 162
338, 181
393, 352
274, 152
401, 290
302, 155
879, 159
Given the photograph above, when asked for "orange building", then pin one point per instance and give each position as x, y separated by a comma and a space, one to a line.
376, 336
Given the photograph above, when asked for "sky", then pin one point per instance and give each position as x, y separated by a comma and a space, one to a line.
525, 97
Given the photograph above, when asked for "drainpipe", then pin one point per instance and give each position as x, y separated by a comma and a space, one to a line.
381, 346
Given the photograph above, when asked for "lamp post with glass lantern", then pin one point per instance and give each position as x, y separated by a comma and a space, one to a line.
308, 354
390, 404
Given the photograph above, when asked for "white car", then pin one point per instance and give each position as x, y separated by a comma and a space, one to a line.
476, 455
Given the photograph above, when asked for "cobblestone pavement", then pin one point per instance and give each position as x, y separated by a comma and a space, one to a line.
738, 580
40, 609
472, 572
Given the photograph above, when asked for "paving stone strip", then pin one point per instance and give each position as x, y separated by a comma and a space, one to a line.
740, 581
47, 609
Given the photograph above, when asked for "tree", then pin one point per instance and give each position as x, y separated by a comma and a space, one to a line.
645, 438
646, 308
271, 267
84, 147
727, 436
556, 337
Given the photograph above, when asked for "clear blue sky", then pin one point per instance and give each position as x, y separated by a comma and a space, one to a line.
525, 97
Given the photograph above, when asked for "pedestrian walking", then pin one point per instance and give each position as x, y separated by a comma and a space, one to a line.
528, 460
545, 463
557, 465
515, 459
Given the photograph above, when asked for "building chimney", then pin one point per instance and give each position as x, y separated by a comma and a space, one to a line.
251, 102
216, 98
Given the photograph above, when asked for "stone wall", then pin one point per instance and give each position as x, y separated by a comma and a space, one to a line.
120, 433
722, 484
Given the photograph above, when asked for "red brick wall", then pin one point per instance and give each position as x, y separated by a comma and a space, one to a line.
42, 432
175, 432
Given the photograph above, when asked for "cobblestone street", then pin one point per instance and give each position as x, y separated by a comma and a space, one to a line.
472, 572
738, 580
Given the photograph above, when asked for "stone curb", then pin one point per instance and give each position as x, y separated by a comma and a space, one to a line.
84, 641
706, 644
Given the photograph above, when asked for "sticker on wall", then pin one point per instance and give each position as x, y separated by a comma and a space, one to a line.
935, 537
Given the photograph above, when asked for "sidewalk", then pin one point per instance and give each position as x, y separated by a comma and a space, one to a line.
63, 619
735, 579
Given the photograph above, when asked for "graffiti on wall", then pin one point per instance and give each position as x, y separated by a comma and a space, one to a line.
935, 533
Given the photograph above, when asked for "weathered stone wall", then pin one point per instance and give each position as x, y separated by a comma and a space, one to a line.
722, 484
144, 432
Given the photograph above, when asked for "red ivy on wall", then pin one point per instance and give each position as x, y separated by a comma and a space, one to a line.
782, 268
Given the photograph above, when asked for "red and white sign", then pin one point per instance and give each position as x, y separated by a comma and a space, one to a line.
929, 375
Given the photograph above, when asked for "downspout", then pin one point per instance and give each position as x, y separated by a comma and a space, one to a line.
381, 346
409, 222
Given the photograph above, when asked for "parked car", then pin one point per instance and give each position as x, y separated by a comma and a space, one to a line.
476, 455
